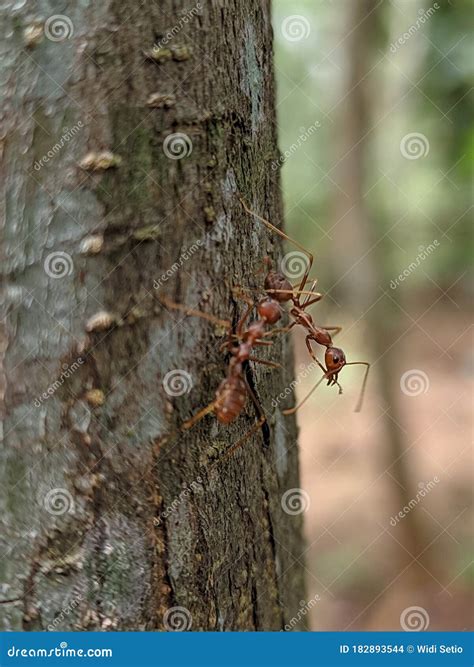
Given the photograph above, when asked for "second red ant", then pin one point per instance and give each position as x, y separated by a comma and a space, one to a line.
231, 395
278, 287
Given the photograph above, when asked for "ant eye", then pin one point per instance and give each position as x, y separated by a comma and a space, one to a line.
335, 359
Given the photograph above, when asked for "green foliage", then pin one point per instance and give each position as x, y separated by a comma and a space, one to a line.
424, 87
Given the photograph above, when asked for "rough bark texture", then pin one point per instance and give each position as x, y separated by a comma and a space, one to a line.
149, 524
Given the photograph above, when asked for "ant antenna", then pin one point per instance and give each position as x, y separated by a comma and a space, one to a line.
364, 382
268, 224
291, 411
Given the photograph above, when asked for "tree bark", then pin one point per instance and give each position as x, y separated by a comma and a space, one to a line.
111, 517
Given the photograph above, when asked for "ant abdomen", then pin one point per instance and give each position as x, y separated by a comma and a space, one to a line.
283, 288
231, 396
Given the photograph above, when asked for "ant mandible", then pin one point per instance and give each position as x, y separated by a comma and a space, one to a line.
277, 286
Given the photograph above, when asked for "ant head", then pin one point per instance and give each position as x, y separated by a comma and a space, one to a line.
335, 359
269, 310
278, 286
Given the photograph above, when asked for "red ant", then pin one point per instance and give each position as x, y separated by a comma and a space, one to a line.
277, 286
231, 395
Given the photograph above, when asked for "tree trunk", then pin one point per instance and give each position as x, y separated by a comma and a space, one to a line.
364, 229
111, 516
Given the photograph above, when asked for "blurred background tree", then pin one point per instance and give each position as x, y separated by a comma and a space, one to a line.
381, 188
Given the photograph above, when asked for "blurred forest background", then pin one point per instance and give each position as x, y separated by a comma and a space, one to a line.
377, 138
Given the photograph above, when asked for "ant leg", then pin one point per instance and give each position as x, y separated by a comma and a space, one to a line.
228, 343
279, 330
364, 382
235, 338
192, 311
244, 318
273, 364
291, 293
237, 291
291, 411
313, 356
189, 423
317, 296
309, 302
274, 229
336, 382
336, 329
258, 424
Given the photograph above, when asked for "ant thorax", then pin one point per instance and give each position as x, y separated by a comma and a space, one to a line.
301, 317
